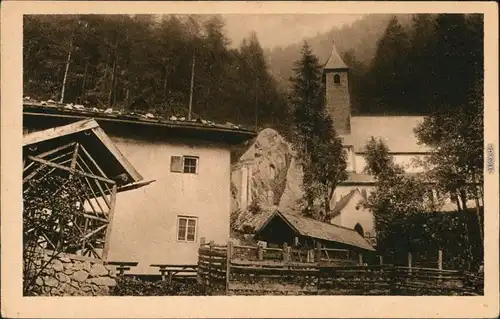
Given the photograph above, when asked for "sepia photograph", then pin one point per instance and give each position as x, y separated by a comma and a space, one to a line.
253, 154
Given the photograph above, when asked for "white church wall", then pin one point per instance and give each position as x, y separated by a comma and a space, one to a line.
407, 161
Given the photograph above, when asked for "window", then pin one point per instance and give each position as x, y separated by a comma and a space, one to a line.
190, 165
359, 229
336, 79
186, 228
184, 164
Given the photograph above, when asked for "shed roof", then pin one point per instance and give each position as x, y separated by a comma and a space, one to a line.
396, 131
94, 143
320, 230
248, 220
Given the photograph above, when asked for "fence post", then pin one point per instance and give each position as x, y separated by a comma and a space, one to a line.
199, 274
286, 253
440, 259
381, 260
360, 259
211, 247
409, 263
310, 256
229, 255
440, 264
317, 257
260, 252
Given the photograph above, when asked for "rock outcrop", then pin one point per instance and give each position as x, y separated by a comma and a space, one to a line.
269, 158
275, 177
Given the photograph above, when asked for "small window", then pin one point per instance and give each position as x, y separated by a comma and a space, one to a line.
186, 228
336, 79
359, 229
184, 164
190, 165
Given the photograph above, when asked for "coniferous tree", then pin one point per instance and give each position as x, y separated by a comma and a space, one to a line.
388, 70
318, 147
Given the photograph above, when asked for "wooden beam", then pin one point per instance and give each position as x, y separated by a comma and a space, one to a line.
74, 171
93, 161
117, 154
103, 194
94, 218
94, 195
92, 233
110, 225
75, 156
82, 160
55, 150
37, 170
59, 131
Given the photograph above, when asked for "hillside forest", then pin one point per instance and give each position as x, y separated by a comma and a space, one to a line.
400, 64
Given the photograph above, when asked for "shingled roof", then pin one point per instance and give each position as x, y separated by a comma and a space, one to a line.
33, 110
324, 231
334, 61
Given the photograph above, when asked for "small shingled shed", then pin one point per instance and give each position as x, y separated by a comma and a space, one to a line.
306, 232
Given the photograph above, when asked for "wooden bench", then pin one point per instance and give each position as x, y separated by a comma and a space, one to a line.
168, 270
122, 266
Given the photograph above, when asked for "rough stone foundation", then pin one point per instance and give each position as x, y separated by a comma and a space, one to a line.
71, 275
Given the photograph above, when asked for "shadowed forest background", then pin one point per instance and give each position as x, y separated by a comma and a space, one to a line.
400, 64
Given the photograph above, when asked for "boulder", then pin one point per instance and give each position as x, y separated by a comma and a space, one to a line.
112, 271
39, 281
57, 265
77, 266
98, 270
62, 277
268, 157
102, 291
80, 275
293, 193
51, 282
86, 288
75, 284
69, 271
103, 281
87, 266
65, 260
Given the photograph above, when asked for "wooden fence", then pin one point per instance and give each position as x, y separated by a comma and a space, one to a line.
253, 270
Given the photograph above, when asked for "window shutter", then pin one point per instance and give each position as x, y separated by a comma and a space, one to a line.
176, 164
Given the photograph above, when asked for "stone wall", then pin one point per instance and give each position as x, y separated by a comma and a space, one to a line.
71, 275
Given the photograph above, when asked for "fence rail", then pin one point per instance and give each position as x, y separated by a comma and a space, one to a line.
233, 269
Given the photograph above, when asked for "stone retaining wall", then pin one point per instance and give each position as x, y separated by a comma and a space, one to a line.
71, 275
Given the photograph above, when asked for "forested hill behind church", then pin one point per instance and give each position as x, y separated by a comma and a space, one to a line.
398, 64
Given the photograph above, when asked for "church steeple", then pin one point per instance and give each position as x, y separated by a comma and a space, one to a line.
336, 83
334, 61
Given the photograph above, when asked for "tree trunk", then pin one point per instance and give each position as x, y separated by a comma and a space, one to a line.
82, 95
165, 85
191, 88
68, 60
478, 210
110, 96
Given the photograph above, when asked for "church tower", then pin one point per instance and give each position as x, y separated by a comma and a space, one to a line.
338, 104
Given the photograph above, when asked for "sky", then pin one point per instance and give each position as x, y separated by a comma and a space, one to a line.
274, 30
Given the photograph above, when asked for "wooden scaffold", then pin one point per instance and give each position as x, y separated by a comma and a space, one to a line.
82, 150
